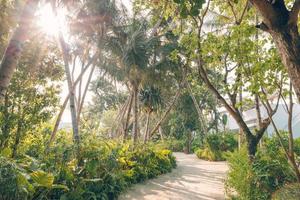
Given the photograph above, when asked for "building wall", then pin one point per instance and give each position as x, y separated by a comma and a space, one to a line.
280, 119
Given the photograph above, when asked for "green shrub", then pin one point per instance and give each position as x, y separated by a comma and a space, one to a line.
10, 187
287, 192
259, 179
216, 146
24, 179
228, 142
207, 154
172, 144
107, 168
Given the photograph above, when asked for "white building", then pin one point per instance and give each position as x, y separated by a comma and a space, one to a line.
280, 118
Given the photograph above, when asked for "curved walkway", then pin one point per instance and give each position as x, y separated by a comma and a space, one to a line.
192, 179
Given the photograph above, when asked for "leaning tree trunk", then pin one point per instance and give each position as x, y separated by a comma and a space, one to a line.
57, 122
14, 49
63, 107
147, 127
85, 92
165, 114
135, 114
198, 109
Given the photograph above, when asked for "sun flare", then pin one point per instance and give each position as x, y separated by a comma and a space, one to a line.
49, 23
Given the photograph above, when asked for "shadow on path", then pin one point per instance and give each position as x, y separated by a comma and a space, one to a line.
192, 179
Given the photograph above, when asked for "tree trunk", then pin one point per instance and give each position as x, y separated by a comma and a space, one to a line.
287, 41
18, 132
251, 146
200, 114
5, 128
128, 117
258, 117
14, 49
79, 92
135, 114
165, 114
161, 133
251, 139
281, 23
65, 53
63, 107
17, 140
147, 127
85, 91
57, 122
291, 137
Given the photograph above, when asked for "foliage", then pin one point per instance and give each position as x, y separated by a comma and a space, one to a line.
273, 144
108, 167
32, 96
288, 192
259, 178
208, 154
172, 144
23, 179
216, 145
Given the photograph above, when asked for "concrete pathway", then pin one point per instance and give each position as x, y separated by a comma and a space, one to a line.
192, 179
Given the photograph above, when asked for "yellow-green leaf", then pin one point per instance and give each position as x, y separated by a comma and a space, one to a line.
42, 178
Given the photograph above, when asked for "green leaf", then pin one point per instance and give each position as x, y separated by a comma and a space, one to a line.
42, 178
195, 11
59, 186
93, 180
6, 152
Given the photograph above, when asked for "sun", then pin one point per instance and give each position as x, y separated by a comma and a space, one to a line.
49, 23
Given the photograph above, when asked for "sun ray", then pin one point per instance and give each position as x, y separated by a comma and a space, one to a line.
49, 23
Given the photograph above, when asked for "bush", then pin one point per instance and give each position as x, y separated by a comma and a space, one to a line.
216, 146
24, 179
106, 169
207, 154
172, 144
268, 172
288, 192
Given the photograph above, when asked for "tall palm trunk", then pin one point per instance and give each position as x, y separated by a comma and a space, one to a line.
135, 114
63, 107
128, 117
71, 89
14, 49
147, 127
85, 92
65, 54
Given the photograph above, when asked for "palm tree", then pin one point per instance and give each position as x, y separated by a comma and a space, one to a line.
131, 47
151, 100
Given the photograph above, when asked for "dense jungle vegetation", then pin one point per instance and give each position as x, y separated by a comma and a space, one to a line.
95, 95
